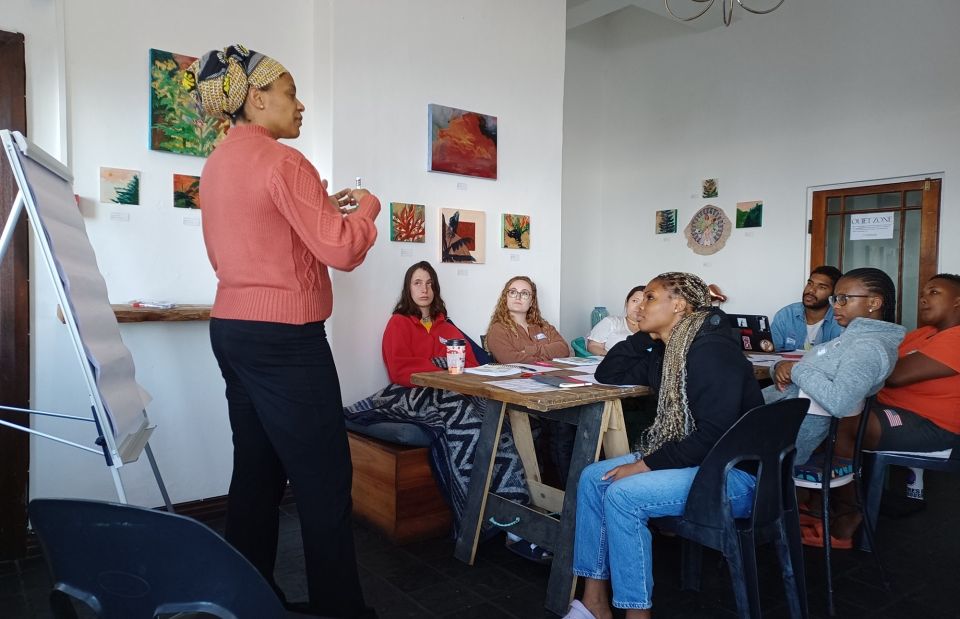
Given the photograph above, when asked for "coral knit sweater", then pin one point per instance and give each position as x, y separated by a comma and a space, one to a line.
271, 230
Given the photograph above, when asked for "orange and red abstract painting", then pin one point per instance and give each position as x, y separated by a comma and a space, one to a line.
462, 142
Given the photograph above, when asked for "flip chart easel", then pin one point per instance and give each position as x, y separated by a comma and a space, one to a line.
117, 402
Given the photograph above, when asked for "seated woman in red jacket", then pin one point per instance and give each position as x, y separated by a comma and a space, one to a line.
415, 341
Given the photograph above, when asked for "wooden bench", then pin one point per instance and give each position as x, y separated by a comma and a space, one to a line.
394, 490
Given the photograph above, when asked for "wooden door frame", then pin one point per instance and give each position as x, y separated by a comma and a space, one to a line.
14, 316
929, 220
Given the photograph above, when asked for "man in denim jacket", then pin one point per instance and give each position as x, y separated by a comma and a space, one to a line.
803, 325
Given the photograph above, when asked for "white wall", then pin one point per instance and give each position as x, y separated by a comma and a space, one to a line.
152, 255
373, 66
817, 93
392, 59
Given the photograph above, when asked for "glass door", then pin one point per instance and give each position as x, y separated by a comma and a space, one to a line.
891, 227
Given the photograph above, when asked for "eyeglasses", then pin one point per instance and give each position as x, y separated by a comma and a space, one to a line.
513, 293
841, 299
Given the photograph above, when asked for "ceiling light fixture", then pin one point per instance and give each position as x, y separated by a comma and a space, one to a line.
727, 6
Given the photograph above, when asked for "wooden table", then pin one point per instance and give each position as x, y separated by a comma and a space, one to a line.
550, 518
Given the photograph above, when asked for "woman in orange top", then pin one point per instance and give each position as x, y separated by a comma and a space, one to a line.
918, 409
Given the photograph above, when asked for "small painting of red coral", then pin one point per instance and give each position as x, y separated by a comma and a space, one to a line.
407, 222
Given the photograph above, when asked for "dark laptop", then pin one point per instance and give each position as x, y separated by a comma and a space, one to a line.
753, 332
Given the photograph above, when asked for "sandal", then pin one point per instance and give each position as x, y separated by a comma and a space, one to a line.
530, 552
813, 536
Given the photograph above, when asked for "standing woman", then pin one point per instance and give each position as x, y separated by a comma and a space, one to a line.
614, 329
271, 231
704, 385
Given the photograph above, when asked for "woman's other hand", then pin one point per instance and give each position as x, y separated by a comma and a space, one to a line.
626, 470
781, 374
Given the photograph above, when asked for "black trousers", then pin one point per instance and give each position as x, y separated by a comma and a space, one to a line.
283, 396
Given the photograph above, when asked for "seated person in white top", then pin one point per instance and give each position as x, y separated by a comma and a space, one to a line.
803, 325
614, 329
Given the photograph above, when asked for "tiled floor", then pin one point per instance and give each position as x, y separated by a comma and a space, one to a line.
921, 552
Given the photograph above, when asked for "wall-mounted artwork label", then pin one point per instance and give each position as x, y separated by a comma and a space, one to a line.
463, 236
750, 214
871, 226
186, 191
710, 188
177, 123
666, 221
407, 222
516, 231
119, 186
462, 142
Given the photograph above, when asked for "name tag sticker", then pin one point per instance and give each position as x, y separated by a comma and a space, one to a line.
541, 336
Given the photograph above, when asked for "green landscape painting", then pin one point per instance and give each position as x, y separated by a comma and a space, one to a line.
177, 123
750, 214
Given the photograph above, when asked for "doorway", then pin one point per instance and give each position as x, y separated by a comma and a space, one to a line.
14, 315
893, 227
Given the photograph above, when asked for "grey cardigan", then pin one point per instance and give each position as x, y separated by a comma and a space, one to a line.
840, 373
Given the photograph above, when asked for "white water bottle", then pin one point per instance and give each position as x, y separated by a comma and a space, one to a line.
915, 483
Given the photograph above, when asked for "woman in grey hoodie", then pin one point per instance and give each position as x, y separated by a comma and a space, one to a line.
838, 375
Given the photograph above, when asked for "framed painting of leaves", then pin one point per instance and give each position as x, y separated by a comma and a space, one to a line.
177, 123
463, 236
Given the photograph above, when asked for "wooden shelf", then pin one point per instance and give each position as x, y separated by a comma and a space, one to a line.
128, 313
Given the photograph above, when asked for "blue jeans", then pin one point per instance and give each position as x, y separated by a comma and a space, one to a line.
612, 541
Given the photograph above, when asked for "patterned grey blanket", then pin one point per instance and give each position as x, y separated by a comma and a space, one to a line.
453, 420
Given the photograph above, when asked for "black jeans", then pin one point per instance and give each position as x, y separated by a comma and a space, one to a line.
283, 396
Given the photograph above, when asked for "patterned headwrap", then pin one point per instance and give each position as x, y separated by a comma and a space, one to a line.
219, 80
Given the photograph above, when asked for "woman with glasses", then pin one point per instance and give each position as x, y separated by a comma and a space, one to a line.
415, 341
614, 329
838, 375
518, 333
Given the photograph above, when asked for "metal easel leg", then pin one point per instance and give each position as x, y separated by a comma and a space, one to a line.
118, 484
11, 223
156, 474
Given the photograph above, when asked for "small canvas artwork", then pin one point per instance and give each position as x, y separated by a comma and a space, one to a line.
186, 191
177, 123
711, 188
667, 221
463, 236
750, 214
462, 142
516, 231
407, 222
119, 186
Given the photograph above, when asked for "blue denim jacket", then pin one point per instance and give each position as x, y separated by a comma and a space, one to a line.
789, 328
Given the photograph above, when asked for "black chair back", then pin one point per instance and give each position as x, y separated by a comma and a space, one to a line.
764, 439
125, 561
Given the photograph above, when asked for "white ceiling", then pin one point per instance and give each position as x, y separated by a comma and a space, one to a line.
580, 12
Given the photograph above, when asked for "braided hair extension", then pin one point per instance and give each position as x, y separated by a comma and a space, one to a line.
674, 420
879, 283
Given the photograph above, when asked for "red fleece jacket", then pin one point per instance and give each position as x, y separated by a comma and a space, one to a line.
408, 346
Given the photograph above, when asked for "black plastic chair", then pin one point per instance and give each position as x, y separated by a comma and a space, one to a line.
834, 479
764, 436
877, 462
125, 561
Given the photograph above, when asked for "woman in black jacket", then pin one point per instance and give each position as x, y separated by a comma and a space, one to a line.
703, 382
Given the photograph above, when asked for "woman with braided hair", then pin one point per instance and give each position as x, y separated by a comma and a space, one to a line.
704, 384
271, 232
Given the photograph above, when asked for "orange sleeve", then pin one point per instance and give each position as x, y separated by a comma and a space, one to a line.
336, 240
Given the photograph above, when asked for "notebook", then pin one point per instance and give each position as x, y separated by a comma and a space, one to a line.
752, 331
